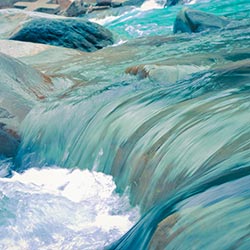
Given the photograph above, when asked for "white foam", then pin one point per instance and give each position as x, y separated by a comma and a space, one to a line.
57, 208
151, 4
105, 20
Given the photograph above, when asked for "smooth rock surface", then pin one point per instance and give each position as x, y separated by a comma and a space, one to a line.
21, 87
190, 21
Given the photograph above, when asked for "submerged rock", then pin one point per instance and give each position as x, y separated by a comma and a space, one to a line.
189, 20
69, 33
163, 73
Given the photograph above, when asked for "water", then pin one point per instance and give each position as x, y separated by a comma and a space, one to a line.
158, 160
54, 208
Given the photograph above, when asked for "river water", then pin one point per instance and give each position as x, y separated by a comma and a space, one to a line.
166, 157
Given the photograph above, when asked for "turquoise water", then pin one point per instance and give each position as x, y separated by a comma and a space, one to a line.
137, 23
158, 160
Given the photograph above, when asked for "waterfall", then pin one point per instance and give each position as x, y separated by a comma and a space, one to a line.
142, 145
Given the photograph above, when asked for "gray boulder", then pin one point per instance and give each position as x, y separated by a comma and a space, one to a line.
69, 33
76, 8
190, 21
21, 87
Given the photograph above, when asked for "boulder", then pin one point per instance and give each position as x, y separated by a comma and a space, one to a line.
103, 2
21, 87
133, 2
76, 8
190, 21
164, 73
70, 33
7, 3
173, 2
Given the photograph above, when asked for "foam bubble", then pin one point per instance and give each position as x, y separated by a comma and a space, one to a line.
55, 208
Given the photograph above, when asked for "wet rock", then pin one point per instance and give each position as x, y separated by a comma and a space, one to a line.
173, 2
163, 73
133, 2
9, 142
110, 3
190, 21
63, 3
21, 87
69, 33
25, 80
103, 2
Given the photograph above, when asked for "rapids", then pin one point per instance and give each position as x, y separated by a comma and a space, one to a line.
156, 159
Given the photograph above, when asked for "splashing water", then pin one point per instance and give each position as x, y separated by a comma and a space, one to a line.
176, 136
55, 208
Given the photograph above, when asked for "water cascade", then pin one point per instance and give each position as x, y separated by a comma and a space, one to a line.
146, 145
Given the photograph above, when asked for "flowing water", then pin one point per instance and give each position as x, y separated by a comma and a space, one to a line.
168, 153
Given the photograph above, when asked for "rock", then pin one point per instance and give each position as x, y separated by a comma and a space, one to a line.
109, 3
18, 49
21, 87
97, 8
189, 20
116, 4
76, 8
173, 2
164, 73
9, 142
103, 2
63, 3
7, 3
133, 2
39, 5
69, 33
26, 81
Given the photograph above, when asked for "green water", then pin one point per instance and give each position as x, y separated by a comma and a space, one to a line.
176, 141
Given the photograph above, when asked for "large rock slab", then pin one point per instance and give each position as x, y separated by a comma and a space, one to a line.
190, 21
39, 5
69, 33
21, 87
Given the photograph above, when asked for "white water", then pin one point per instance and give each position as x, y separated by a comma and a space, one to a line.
152, 4
60, 209
111, 18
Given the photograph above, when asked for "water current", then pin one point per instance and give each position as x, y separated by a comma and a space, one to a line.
156, 160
